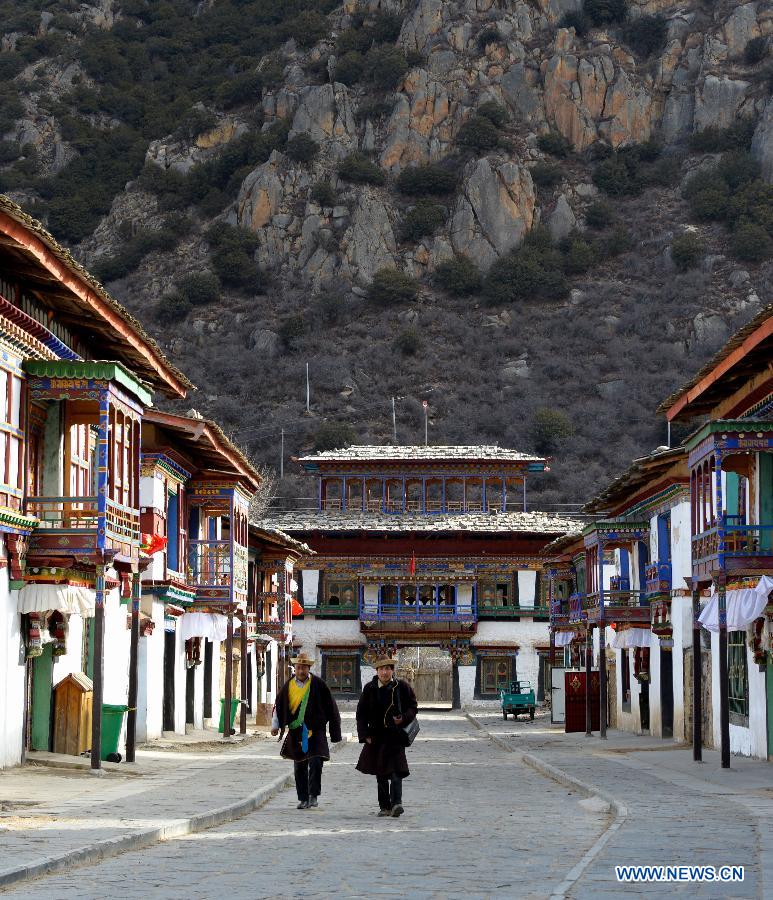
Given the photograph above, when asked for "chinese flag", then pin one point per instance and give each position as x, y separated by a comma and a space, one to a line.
296, 608
412, 565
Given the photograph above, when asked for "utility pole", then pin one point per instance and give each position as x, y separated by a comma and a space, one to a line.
282, 457
394, 421
426, 426
308, 390
668, 438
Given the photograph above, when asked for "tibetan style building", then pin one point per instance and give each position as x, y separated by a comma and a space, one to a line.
424, 547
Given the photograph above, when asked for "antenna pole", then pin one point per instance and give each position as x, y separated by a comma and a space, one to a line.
282, 456
426, 426
668, 439
394, 421
308, 390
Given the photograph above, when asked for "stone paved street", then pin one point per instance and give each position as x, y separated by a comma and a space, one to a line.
478, 823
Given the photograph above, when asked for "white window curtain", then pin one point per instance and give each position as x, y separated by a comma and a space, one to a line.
743, 606
631, 637
65, 598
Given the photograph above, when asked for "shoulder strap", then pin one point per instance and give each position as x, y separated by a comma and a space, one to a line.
298, 721
399, 702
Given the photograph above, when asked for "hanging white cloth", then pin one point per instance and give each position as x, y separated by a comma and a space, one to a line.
213, 626
631, 637
310, 587
743, 606
65, 598
564, 638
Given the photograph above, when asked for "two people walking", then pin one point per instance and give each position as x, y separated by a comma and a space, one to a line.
306, 707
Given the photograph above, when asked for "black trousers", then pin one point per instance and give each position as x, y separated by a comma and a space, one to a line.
390, 790
308, 777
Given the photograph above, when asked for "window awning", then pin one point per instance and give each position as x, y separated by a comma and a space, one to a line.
204, 625
631, 637
65, 598
564, 638
744, 605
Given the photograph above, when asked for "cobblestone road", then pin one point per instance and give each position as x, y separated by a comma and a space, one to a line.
478, 823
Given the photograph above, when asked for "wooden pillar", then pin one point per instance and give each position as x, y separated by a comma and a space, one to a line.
229, 665
243, 673
99, 670
602, 652
131, 718
724, 699
588, 666
697, 681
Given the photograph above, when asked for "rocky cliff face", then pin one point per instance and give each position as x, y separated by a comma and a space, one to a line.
632, 325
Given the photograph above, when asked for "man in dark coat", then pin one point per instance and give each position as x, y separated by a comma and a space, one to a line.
305, 706
385, 708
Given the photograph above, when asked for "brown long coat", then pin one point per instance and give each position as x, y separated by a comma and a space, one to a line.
321, 710
385, 755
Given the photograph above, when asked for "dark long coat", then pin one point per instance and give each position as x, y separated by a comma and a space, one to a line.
321, 710
385, 755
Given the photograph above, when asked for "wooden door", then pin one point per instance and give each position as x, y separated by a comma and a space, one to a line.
168, 696
42, 699
575, 693
667, 692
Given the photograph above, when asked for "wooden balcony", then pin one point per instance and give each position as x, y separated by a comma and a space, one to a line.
488, 611
618, 606
577, 608
732, 546
417, 612
658, 578
209, 563
69, 525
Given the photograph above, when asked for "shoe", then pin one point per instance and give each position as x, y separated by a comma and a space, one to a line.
384, 812
313, 801
304, 804
397, 811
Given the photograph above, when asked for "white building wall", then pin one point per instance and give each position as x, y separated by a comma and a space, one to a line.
216, 687
12, 674
116, 656
748, 740
681, 618
180, 680
198, 691
527, 587
681, 544
72, 660
311, 632
466, 685
527, 635
150, 680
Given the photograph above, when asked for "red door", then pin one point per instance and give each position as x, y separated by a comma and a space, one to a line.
575, 693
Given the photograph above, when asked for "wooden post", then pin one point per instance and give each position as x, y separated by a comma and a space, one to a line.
602, 651
724, 683
99, 660
697, 681
588, 666
229, 666
131, 719
243, 673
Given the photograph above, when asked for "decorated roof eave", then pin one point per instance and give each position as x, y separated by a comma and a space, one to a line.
99, 370
46, 252
417, 454
745, 340
641, 471
617, 525
742, 426
194, 430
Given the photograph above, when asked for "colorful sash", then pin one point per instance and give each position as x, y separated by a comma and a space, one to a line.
298, 721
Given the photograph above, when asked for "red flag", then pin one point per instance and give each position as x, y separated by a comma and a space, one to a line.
412, 565
297, 609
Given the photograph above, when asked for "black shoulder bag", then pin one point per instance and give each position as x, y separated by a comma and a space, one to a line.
412, 728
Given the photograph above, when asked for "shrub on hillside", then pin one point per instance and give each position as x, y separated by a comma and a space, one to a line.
751, 242
390, 287
535, 271
737, 136
302, 147
359, 169
617, 176
494, 112
579, 254
605, 12
132, 252
333, 436
550, 429
488, 35
172, 308
710, 204
618, 242
290, 329
755, 51
408, 341
599, 215
374, 109
307, 28
233, 250
577, 20
545, 174
755, 203
738, 168
324, 193
9, 151
555, 144
424, 219
330, 307
687, 250
427, 180
478, 135
385, 67
349, 68
199, 288
239, 90
385, 27
646, 35
459, 276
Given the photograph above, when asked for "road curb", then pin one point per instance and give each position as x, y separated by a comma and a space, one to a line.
141, 839
619, 810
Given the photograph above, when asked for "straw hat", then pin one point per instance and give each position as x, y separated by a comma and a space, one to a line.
385, 661
303, 659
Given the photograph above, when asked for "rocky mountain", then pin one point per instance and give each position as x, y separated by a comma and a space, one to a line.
538, 215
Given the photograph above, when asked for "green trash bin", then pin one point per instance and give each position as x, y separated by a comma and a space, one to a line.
235, 701
112, 722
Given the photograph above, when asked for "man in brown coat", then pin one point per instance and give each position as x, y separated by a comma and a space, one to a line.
305, 707
385, 708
